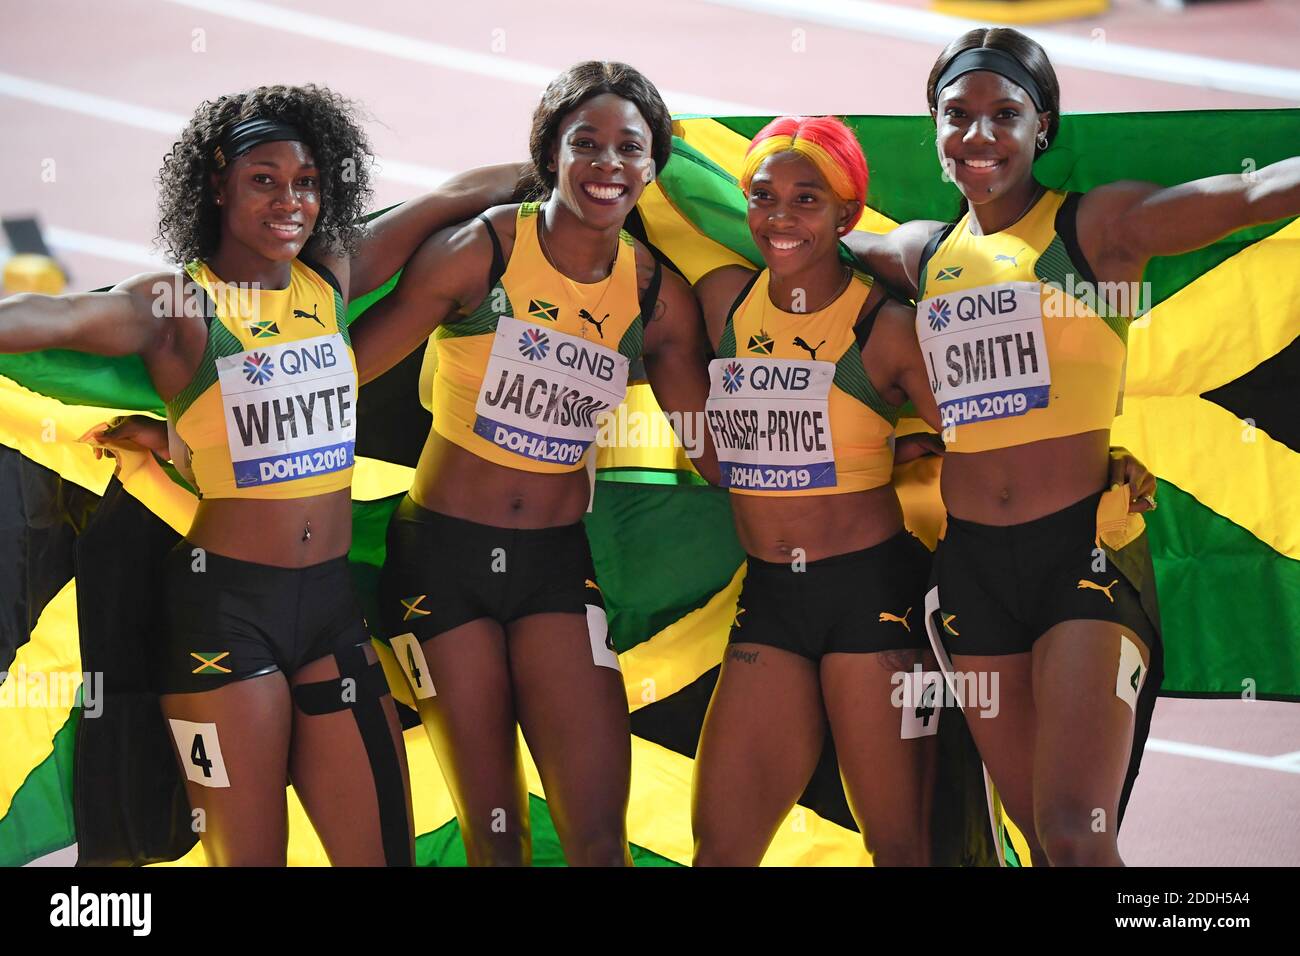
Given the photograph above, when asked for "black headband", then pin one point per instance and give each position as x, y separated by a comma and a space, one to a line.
244, 135
995, 61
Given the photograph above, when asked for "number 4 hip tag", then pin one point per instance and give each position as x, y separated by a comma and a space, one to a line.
200, 752
410, 657
921, 704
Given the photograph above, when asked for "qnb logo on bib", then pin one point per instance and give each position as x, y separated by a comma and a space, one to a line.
258, 368
534, 344
771, 424
940, 313
544, 391
289, 410
733, 377
985, 352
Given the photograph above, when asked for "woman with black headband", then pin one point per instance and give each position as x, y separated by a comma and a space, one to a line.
1025, 357
489, 595
265, 673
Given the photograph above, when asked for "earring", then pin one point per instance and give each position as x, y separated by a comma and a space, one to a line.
218, 200
1042, 139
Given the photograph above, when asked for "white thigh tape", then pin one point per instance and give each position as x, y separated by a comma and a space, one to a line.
598, 631
1131, 673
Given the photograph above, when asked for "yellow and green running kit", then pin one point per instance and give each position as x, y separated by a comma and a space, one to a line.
790, 406
521, 383
1018, 345
522, 380
271, 410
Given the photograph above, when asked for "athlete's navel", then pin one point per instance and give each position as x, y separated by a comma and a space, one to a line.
517, 503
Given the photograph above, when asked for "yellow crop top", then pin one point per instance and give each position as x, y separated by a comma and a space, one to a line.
1017, 344
790, 406
271, 410
522, 381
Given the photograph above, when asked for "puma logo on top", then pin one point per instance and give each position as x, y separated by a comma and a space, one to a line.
300, 314
588, 317
810, 349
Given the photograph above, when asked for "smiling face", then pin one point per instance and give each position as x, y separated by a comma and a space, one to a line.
602, 159
270, 199
986, 127
793, 215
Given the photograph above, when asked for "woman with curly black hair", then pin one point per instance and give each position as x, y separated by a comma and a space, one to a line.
266, 675
489, 593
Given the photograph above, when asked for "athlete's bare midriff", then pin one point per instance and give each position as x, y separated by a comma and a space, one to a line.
456, 482
287, 533
1014, 485
822, 526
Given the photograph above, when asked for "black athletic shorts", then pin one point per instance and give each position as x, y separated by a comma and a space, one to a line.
441, 572
858, 603
229, 620
1002, 587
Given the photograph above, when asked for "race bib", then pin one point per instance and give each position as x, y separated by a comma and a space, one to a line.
544, 390
290, 410
985, 352
770, 423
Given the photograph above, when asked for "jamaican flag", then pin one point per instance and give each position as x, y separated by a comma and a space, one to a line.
1213, 367
1213, 364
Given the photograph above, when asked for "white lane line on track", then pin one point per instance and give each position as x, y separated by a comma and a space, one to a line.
1121, 59
494, 65
160, 121
72, 240
89, 104
1284, 763
410, 174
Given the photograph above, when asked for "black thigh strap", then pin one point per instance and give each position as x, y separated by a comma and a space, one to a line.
331, 696
325, 697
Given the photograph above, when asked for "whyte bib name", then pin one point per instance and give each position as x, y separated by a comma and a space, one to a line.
289, 409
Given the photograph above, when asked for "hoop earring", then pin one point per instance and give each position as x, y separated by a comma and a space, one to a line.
1042, 139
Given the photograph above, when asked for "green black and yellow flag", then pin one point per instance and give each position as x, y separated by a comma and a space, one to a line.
1211, 389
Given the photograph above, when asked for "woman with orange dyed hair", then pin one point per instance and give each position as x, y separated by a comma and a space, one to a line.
813, 362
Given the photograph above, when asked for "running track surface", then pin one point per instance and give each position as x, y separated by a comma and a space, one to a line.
96, 93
